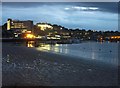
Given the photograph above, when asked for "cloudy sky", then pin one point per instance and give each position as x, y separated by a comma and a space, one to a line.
94, 15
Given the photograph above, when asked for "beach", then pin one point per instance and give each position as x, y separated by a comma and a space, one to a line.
23, 66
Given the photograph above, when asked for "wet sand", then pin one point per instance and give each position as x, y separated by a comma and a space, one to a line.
23, 66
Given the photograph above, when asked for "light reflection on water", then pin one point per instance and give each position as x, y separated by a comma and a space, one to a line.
93, 55
30, 44
106, 52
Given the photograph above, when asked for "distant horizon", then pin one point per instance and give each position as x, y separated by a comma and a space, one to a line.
89, 16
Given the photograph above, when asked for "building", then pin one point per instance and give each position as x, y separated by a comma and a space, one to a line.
114, 37
44, 26
18, 25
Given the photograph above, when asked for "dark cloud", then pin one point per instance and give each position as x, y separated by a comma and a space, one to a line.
103, 6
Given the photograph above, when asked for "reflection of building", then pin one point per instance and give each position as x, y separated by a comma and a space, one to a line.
44, 26
19, 25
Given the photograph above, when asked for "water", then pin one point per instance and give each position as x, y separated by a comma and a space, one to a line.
105, 52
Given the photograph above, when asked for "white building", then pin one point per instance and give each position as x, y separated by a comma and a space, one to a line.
44, 26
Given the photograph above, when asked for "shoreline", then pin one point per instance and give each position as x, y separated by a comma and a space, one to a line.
47, 69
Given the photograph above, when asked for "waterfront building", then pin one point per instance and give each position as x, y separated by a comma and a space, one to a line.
115, 37
19, 25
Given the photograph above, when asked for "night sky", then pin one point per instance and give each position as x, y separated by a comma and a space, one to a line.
88, 15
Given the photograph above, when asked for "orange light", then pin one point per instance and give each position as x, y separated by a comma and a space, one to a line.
112, 37
115, 37
29, 36
101, 38
28, 32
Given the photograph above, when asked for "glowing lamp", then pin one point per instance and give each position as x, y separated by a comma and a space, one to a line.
29, 36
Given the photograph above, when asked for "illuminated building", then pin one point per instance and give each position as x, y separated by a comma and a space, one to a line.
44, 26
19, 25
115, 37
9, 24
29, 36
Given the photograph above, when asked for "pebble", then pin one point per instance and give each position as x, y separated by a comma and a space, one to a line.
8, 61
14, 65
89, 69
55, 63
74, 71
8, 58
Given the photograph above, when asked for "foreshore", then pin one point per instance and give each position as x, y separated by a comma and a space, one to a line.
23, 66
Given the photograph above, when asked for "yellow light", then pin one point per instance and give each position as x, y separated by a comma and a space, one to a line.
30, 36
30, 45
8, 25
57, 45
